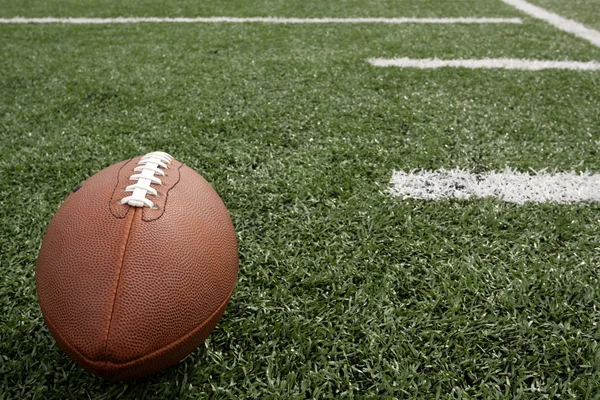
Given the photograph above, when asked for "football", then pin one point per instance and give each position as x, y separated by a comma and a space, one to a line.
136, 267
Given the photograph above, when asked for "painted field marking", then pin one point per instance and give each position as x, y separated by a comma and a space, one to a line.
270, 20
508, 185
565, 24
489, 63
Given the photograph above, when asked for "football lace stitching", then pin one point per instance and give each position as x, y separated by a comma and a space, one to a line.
150, 168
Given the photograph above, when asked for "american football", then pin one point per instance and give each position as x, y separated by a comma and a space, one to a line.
137, 267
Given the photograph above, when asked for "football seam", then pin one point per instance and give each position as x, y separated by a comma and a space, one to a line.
118, 279
142, 357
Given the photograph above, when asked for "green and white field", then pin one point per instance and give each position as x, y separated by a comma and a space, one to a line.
344, 290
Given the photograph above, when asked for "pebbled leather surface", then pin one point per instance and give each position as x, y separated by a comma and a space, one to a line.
126, 292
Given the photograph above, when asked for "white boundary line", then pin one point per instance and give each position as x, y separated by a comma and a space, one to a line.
567, 25
271, 20
488, 63
508, 185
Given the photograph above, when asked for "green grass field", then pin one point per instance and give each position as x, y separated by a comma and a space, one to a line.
343, 291
585, 11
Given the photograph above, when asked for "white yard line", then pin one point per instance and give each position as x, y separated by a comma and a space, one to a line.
503, 63
565, 24
270, 20
508, 185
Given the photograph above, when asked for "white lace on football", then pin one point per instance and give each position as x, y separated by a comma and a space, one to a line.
150, 169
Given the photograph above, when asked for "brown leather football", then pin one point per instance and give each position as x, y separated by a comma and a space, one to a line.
136, 268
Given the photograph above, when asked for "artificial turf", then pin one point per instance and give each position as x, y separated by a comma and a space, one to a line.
343, 291
289, 8
586, 12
